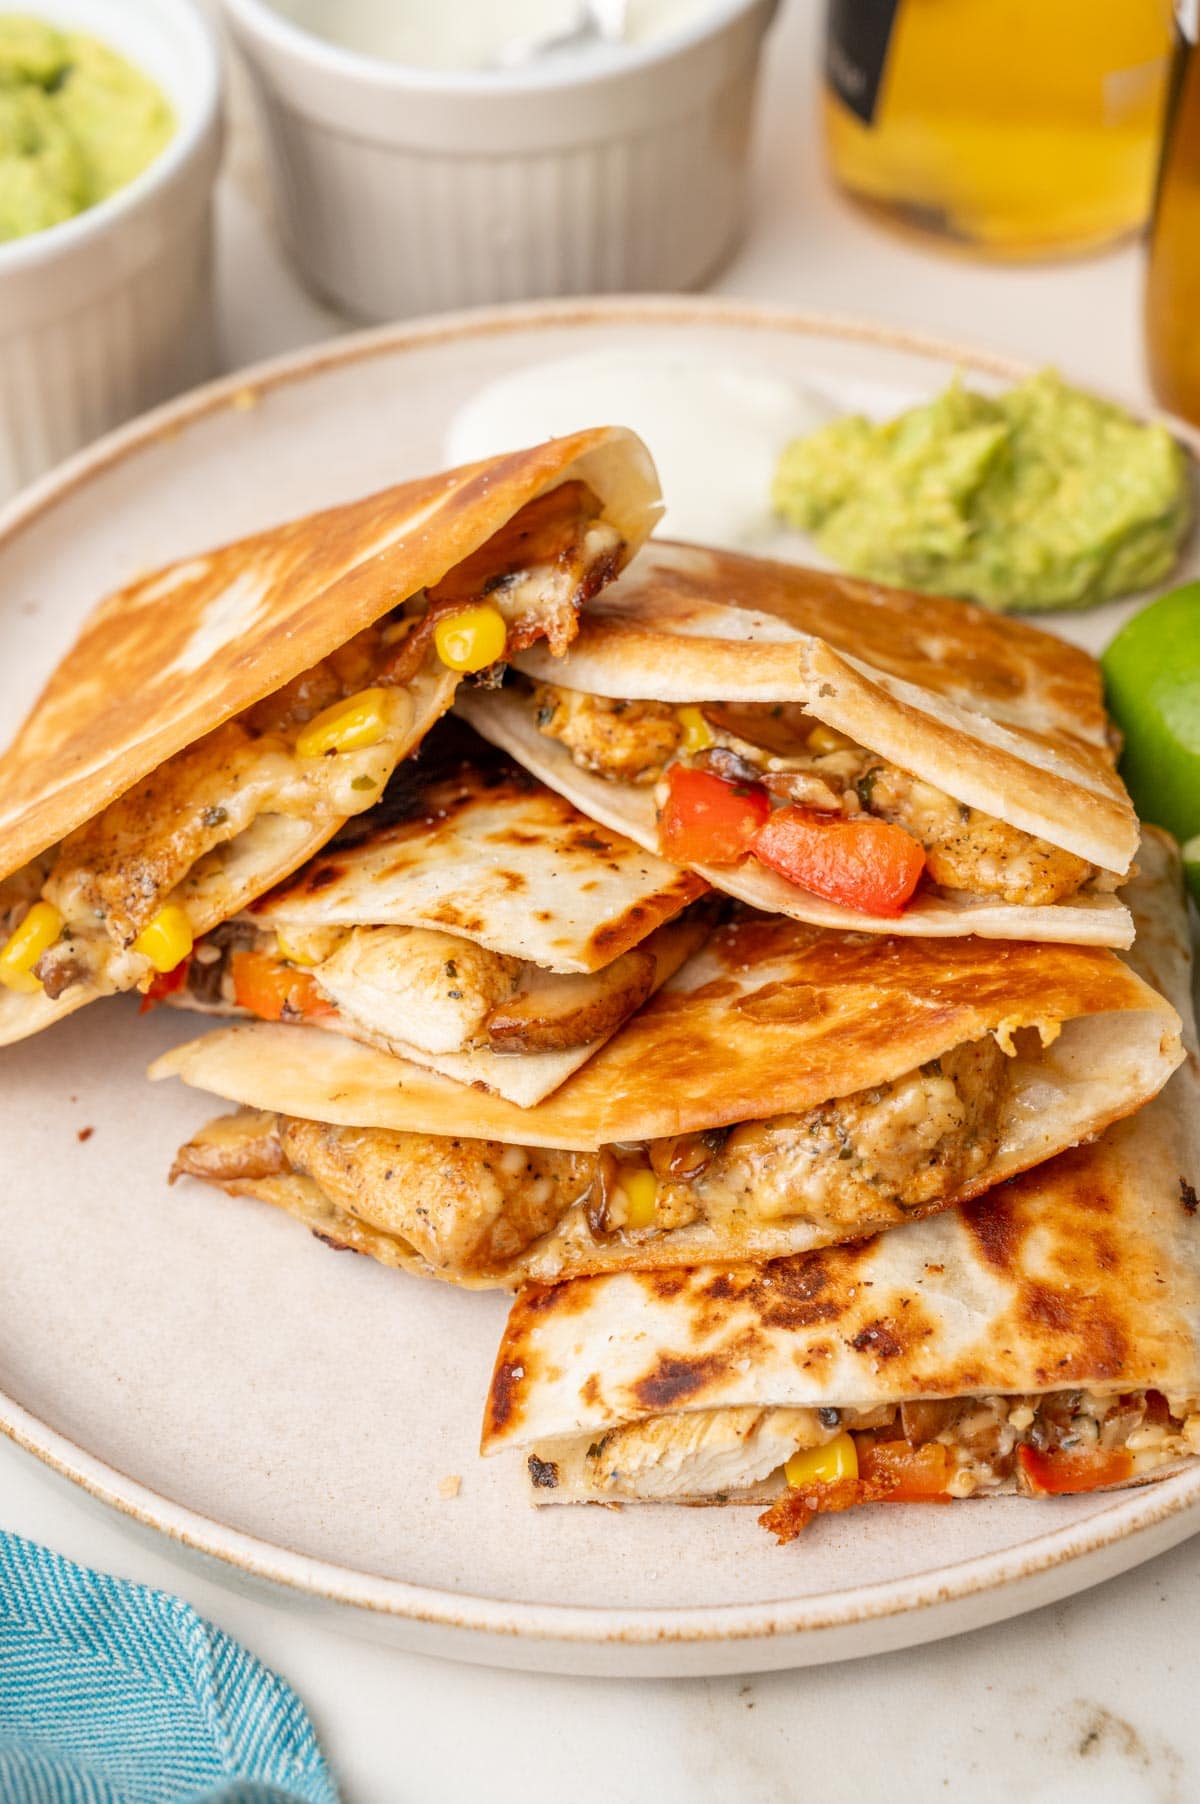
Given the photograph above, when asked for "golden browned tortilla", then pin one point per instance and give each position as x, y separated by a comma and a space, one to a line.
161, 765
789, 1087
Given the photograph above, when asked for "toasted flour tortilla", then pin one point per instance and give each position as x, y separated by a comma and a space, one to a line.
161, 664
471, 851
770, 1019
466, 841
992, 712
1081, 1275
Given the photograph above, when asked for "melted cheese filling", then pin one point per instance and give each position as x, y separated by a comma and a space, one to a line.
969, 855
212, 826
738, 1453
270, 799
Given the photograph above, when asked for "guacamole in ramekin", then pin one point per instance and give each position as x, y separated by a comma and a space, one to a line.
77, 122
1042, 497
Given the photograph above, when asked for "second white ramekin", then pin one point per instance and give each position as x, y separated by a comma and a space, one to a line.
110, 312
411, 191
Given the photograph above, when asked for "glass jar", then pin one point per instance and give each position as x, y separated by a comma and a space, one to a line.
1011, 128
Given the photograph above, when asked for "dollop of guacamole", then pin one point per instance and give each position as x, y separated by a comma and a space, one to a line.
1042, 497
77, 122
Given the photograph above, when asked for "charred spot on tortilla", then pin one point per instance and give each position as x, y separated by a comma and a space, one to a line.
675, 1377
504, 1398
664, 1281
880, 1339
550, 1299
993, 1221
543, 1473
1098, 1339
1188, 1197
1105, 1253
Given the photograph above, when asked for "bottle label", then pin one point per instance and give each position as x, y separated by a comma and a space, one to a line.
857, 35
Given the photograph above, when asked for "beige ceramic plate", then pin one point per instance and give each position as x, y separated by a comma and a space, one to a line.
204, 1366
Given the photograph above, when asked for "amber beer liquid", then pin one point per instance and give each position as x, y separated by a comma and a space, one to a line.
1173, 276
1010, 128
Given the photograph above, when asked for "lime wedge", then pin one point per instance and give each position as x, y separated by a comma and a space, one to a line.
1152, 675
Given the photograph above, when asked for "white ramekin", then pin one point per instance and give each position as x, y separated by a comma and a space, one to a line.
404, 190
111, 311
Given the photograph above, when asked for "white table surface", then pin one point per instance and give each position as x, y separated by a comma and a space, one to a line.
1090, 1699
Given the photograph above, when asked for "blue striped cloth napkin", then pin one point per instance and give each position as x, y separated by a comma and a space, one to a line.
112, 1693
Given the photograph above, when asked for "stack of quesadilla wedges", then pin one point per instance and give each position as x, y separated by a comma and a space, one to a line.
1044, 1338
472, 921
852, 1186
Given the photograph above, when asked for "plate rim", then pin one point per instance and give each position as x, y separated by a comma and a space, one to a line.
1131, 1514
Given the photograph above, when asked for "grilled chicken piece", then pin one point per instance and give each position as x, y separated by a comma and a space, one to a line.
699, 1452
778, 728
117, 868
627, 741
694, 1454
968, 850
417, 985
466, 1208
896, 1148
464, 1205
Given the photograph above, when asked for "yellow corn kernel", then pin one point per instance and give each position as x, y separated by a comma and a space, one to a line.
838, 1458
25, 945
295, 955
825, 739
641, 1197
346, 726
697, 735
472, 639
167, 939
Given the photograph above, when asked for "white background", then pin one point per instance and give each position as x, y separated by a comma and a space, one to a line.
1089, 1700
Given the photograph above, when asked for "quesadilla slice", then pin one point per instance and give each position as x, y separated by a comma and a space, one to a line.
215, 723
789, 1087
472, 921
1042, 1339
848, 755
